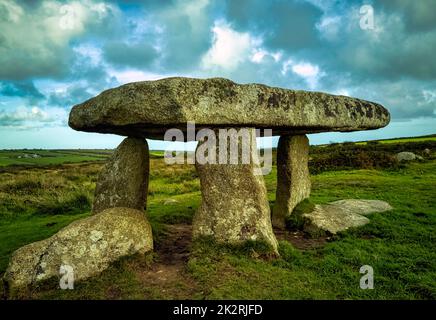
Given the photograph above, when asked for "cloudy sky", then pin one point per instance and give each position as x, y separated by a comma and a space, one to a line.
54, 54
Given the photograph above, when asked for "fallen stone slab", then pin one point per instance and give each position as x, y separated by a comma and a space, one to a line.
363, 207
87, 246
149, 108
341, 215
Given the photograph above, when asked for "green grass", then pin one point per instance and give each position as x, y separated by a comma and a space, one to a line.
296, 220
403, 140
409, 140
49, 157
400, 244
27, 229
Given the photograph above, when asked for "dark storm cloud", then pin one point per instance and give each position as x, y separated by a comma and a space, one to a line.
86, 80
406, 99
23, 89
71, 96
393, 64
24, 51
419, 16
289, 25
182, 37
37, 38
389, 51
400, 46
186, 34
42, 62
122, 54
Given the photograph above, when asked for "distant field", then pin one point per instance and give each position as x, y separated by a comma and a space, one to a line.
32, 157
156, 154
409, 140
403, 140
49, 157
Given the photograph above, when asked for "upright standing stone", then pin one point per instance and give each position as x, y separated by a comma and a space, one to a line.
234, 205
293, 180
124, 180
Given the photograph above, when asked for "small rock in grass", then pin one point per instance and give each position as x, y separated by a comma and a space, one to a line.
407, 156
340, 215
170, 202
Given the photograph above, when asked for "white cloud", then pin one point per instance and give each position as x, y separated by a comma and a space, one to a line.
13, 11
32, 117
309, 72
259, 54
305, 70
63, 20
194, 10
131, 75
429, 96
286, 66
230, 48
330, 27
91, 52
342, 92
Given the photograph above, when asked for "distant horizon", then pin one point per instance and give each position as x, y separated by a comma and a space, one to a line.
193, 142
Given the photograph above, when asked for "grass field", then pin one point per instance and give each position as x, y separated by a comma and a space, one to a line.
431, 137
48, 157
25, 157
400, 245
409, 140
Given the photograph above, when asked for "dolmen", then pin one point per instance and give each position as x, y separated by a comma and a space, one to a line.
234, 206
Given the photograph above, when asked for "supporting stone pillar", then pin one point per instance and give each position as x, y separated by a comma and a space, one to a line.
123, 182
234, 205
293, 179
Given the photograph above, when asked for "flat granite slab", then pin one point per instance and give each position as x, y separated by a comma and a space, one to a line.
149, 108
341, 215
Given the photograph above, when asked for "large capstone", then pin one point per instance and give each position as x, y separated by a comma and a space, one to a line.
123, 182
84, 248
293, 179
234, 205
149, 108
